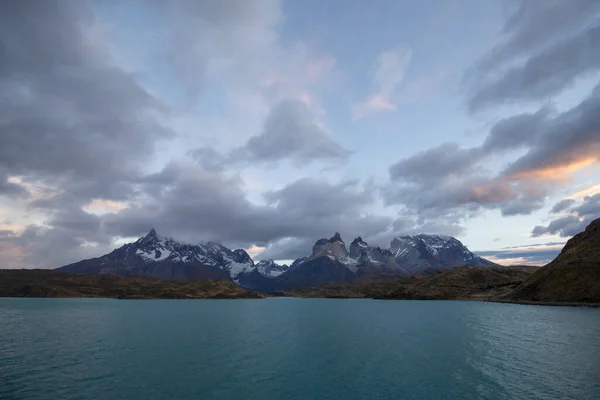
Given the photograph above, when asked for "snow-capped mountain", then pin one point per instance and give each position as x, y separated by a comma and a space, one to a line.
161, 257
270, 269
330, 261
422, 253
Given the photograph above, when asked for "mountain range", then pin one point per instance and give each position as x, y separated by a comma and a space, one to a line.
156, 256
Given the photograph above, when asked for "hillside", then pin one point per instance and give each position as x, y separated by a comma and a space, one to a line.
573, 276
48, 283
460, 283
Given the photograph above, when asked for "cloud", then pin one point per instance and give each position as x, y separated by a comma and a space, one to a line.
197, 38
191, 204
561, 40
69, 117
553, 146
576, 221
562, 206
12, 189
389, 74
434, 164
569, 142
79, 132
42, 247
516, 132
290, 132
533, 23
536, 254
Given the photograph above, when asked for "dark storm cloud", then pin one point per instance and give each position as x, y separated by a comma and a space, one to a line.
288, 249
71, 120
289, 133
68, 115
193, 204
9, 188
41, 247
562, 206
76, 220
555, 61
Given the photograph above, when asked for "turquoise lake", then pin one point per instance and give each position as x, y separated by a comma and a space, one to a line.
286, 348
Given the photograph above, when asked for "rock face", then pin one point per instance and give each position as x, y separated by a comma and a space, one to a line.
330, 261
160, 257
333, 248
573, 276
270, 268
421, 253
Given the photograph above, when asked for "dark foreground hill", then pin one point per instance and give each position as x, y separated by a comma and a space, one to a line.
461, 283
573, 276
48, 283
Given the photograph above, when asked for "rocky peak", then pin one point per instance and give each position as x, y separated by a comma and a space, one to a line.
241, 256
357, 247
333, 248
594, 226
359, 241
151, 237
336, 238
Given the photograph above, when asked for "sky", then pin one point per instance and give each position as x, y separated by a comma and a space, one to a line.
268, 124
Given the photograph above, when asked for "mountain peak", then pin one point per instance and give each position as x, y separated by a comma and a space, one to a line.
152, 236
336, 238
358, 240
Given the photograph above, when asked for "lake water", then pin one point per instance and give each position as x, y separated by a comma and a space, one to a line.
295, 349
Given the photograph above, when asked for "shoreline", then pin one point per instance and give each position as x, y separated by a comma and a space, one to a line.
547, 303
521, 302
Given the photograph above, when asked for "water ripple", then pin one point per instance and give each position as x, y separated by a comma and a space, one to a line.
296, 349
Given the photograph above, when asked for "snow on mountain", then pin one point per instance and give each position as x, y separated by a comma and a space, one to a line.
361, 258
422, 252
270, 269
158, 256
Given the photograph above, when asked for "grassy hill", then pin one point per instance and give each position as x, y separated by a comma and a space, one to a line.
461, 283
573, 276
48, 283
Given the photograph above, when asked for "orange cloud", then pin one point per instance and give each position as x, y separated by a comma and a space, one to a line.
590, 191
377, 102
101, 206
36, 190
254, 250
555, 173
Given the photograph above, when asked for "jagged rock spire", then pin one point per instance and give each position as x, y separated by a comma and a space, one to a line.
336, 238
